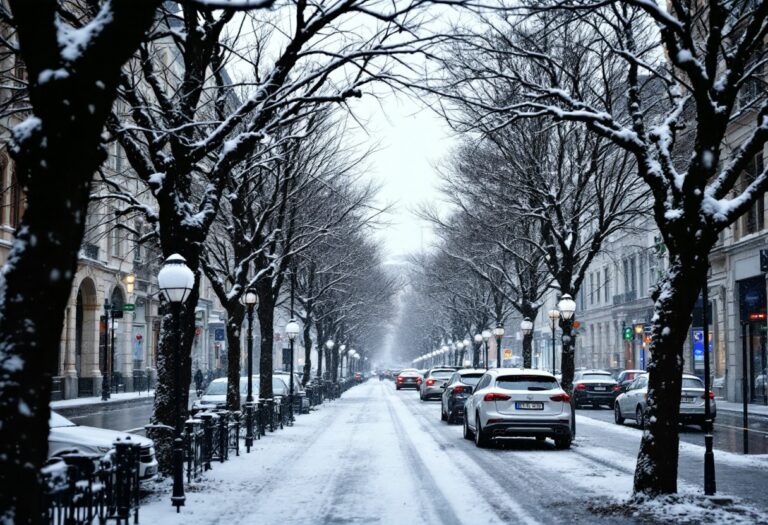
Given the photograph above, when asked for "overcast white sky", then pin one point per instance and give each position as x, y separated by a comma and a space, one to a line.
412, 140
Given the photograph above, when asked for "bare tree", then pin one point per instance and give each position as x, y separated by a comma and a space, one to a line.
666, 85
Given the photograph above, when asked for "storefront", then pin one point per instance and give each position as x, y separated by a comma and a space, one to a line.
752, 309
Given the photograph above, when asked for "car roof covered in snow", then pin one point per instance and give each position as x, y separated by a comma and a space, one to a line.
519, 372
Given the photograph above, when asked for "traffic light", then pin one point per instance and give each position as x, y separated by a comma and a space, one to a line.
628, 334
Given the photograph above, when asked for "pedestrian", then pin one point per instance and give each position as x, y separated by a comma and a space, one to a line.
199, 382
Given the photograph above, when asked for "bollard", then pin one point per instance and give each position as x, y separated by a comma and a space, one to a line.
223, 435
207, 439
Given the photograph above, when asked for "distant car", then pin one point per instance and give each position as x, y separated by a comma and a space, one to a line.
625, 377
435, 381
518, 402
632, 403
358, 377
66, 436
594, 387
457, 392
408, 378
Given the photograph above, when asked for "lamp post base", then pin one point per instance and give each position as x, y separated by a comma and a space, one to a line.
178, 499
248, 426
710, 485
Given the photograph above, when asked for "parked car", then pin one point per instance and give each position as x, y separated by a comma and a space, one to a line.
433, 384
625, 377
358, 377
66, 436
632, 403
518, 402
298, 388
594, 387
215, 396
408, 378
457, 391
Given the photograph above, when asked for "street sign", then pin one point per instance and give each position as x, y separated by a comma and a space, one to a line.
129, 307
764, 260
507, 353
218, 334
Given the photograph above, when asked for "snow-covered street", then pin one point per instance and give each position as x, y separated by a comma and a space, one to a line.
381, 456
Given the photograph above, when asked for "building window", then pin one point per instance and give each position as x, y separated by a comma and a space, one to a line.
16, 206
606, 284
591, 288
754, 218
20, 70
643, 289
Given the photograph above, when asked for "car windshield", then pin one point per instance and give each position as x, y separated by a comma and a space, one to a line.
58, 421
217, 388
690, 382
595, 377
530, 383
278, 386
471, 379
442, 374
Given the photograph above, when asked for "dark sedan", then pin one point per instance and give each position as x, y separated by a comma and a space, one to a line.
595, 387
408, 378
456, 392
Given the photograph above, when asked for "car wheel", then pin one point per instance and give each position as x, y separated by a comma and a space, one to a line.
442, 414
563, 443
481, 438
617, 417
639, 417
467, 433
397, 388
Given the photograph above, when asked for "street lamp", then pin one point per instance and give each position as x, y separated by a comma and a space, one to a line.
476, 350
486, 337
291, 330
499, 333
526, 327
342, 349
553, 315
329, 344
176, 281
567, 307
459, 349
249, 300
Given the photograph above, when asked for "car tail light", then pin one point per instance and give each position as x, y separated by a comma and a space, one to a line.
418, 380
496, 397
430, 382
399, 379
458, 390
616, 388
581, 386
565, 398
711, 395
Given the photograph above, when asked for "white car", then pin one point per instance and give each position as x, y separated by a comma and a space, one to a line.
66, 436
215, 396
632, 403
298, 388
518, 402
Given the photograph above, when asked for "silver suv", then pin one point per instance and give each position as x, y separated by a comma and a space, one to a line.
518, 402
435, 381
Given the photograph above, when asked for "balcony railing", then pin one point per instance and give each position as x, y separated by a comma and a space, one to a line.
90, 251
625, 297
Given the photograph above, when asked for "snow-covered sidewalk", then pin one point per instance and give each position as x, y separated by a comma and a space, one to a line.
96, 400
752, 408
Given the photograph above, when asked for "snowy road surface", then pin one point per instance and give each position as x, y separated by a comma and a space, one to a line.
381, 456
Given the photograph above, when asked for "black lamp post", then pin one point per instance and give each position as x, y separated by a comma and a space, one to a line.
291, 330
105, 387
329, 344
342, 349
249, 300
176, 280
554, 315
476, 351
499, 333
710, 486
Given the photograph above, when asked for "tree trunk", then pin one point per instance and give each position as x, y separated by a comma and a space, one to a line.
308, 352
334, 366
235, 316
56, 155
656, 471
164, 413
266, 313
527, 351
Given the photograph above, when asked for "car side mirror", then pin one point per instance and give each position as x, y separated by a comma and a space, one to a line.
445, 384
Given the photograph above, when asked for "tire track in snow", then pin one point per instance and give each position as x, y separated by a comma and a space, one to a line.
506, 511
529, 475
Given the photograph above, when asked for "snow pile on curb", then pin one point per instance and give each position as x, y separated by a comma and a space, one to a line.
684, 509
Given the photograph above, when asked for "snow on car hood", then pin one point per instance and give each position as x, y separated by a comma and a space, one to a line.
93, 437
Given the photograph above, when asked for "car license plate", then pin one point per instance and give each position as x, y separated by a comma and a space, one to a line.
688, 399
601, 388
529, 405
